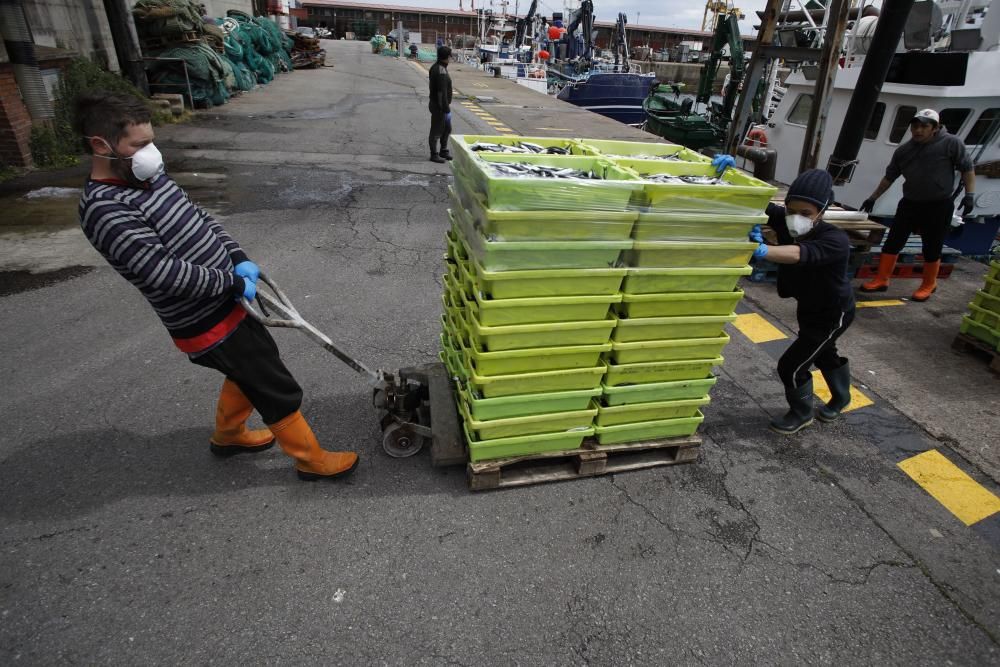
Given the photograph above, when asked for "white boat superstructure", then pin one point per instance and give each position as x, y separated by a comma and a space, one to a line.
958, 76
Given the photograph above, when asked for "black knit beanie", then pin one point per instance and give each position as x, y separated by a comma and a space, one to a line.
814, 186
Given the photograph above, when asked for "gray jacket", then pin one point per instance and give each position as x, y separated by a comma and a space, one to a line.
929, 169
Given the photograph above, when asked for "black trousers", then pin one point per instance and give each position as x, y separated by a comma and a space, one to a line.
440, 131
250, 358
932, 220
815, 346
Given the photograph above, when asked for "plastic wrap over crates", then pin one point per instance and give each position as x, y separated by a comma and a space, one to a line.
588, 287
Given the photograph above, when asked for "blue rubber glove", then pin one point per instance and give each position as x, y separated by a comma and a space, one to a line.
721, 162
761, 251
756, 235
447, 117
248, 270
249, 289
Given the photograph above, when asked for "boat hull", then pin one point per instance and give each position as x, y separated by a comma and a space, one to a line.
615, 95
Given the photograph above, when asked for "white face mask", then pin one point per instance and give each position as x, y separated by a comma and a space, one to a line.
147, 162
798, 225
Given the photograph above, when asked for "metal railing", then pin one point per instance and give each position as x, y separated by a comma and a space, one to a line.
187, 79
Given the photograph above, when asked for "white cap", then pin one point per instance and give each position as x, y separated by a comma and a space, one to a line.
926, 116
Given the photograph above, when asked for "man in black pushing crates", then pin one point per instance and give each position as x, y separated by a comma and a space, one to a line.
927, 163
192, 273
813, 257
440, 106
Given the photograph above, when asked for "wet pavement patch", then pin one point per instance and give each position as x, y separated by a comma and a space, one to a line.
15, 282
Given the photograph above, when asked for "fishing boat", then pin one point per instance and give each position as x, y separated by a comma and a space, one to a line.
670, 117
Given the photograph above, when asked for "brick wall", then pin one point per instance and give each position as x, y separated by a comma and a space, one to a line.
15, 123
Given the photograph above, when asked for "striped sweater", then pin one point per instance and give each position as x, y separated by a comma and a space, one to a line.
174, 252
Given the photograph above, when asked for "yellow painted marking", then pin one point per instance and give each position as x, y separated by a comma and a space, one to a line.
757, 329
858, 399
949, 485
880, 304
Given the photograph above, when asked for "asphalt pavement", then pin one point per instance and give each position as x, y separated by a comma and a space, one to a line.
124, 541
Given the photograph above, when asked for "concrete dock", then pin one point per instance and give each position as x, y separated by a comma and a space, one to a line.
124, 541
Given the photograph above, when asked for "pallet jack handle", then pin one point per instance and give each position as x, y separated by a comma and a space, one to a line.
273, 299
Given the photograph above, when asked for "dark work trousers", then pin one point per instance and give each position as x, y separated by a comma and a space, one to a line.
440, 131
250, 358
932, 220
816, 345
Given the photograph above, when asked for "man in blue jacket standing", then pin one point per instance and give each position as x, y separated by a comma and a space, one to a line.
440, 106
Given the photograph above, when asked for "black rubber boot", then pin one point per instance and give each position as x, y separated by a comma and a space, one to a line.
437, 158
446, 155
800, 414
839, 382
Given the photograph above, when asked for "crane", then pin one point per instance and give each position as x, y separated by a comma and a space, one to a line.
715, 8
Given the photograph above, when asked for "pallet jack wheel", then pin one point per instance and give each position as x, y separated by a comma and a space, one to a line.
399, 442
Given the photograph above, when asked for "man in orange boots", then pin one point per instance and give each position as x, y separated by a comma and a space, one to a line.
192, 273
927, 163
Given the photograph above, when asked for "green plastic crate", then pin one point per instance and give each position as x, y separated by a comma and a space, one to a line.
994, 272
453, 361
680, 304
664, 281
979, 330
695, 226
525, 255
536, 383
544, 282
612, 191
455, 249
650, 392
509, 362
992, 287
646, 412
526, 405
987, 318
641, 150
630, 330
652, 430
525, 445
689, 254
987, 301
545, 225
513, 427
659, 371
464, 155
534, 310
520, 336
668, 350
743, 194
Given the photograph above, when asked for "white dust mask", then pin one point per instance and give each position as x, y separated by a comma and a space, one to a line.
147, 162
798, 225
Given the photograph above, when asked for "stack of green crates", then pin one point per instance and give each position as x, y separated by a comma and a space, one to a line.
983, 320
589, 307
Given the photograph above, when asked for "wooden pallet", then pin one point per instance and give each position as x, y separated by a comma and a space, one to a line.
588, 461
966, 343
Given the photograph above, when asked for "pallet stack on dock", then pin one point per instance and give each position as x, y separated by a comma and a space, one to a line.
589, 312
981, 327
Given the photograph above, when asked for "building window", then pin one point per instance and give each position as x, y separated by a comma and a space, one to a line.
799, 115
984, 129
875, 124
954, 119
901, 123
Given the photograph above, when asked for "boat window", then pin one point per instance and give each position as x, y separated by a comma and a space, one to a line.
799, 115
901, 123
984, 128
875, 124
954, 119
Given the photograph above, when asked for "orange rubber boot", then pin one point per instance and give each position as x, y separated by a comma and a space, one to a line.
312, 462
880, 283
231, 433
929, 284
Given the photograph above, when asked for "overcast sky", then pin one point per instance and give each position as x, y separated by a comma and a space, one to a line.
665, 13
